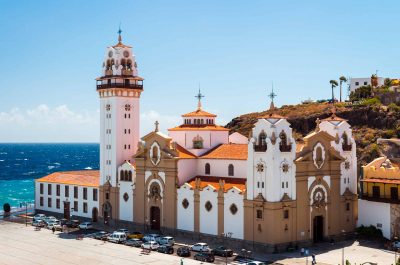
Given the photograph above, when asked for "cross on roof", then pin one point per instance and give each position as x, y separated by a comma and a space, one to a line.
272, 95
156, 125
199, 96
119, 33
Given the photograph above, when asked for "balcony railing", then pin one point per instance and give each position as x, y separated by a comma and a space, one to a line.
120, 85
260, 148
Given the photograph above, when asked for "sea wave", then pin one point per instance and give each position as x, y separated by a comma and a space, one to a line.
88, 168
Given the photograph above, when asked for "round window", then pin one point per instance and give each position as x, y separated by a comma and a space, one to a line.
233, 209
126, 197
208, 206
185, 203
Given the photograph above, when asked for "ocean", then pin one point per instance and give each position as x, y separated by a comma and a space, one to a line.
21, 164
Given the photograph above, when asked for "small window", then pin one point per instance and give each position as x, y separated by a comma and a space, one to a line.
231, 170
286, 214
49, 189
85, 207
233, 209
41, 201
41, 188
129, 175
58, 190
285, 168
126, 197
185, 203
75, 206
262, 183
76, 192
376, 192
107, 196
207, 169
58, 203
95, 195
259, 214
287, 184
394, 193
49, 202
357, 83
85, 193
66, 191
365, 83
348, 206
208, 206
283, 185
258, 184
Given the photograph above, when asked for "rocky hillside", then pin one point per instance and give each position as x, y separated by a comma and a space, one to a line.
369, 122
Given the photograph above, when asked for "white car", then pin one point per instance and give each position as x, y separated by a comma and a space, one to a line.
123, 230
50, 219
257, 263
39, 223
56, 225
152, 245
151, 237
39, 216
200, 247
86, 225
167, 240
117, 237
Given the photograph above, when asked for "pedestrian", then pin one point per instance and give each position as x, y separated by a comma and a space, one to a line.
53, 229
302, 252
313, 259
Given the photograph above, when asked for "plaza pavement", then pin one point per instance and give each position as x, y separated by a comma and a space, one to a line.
23, 245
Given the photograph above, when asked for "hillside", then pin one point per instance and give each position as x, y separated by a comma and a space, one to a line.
369, 122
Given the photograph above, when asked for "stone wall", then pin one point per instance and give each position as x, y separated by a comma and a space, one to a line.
394, 220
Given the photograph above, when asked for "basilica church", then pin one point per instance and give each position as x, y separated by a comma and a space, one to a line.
200, 178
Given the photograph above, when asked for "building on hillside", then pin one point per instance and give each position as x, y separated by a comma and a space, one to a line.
379, 204
355, 83
200, 179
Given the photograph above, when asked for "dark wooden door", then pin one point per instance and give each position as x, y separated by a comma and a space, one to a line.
318, 228
155, 218
67, 210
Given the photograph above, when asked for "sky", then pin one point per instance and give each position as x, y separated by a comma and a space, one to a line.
52, 51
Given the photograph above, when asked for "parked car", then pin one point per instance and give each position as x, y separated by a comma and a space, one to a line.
396, 244
63, 221
134, 242
86, 225
117, 237
165, 249
39, 216
137, 235
183, 251
152, 245
256, 263
56, 225
203, 256
38, 223
222, 251
123, 230
167, 240
73, 224
101, 235
50, 219
200, 247
151, 237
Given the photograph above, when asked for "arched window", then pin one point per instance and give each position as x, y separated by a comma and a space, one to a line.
130, 175
121, 175
283, 145
155, 153
230, 170
319, 157
198, 142
262, 139
129, 65
207, 169
123, 63
345, 138
346, 145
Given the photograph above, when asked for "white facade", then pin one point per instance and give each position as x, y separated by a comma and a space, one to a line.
126, 188
237, 138
219, 167
376, 214
341, 130
234, 221
185, 218
364, 81
91, 204
271, 173
209, 218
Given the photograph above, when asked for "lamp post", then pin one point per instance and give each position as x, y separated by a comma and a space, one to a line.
395, 250
343, 231
227, 235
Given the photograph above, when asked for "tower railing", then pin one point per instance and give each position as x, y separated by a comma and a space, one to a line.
120, 85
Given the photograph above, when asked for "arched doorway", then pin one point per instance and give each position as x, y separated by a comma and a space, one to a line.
155, 218
107, 212
95, 214
318, 228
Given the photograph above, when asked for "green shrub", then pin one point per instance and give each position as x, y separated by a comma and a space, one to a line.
348, 262
371, 102
393, 107
369, 231
389, 134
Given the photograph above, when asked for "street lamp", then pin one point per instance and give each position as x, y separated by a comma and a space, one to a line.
395, 249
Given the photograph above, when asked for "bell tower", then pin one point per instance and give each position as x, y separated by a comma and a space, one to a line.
119, 89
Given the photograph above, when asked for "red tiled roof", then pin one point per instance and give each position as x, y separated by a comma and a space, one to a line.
239, 183
198, 127
183, 153
199, 113
227, 151
90, 178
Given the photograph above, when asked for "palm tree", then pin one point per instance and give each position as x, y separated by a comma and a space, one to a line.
342, 79
334, 84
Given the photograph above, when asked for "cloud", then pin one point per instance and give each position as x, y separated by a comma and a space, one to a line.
46, 124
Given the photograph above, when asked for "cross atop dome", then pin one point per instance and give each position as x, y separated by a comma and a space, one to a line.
272, 95
119, 34
199, 96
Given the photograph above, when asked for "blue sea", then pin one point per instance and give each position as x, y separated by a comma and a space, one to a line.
21, 164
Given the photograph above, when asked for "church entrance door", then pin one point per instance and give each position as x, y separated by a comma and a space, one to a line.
318, 228
95, 213
155, 218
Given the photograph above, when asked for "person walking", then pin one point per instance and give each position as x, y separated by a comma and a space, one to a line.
53, 229
313, 259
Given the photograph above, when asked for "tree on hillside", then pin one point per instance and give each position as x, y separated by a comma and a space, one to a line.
334, 84
360, 93
342, 80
